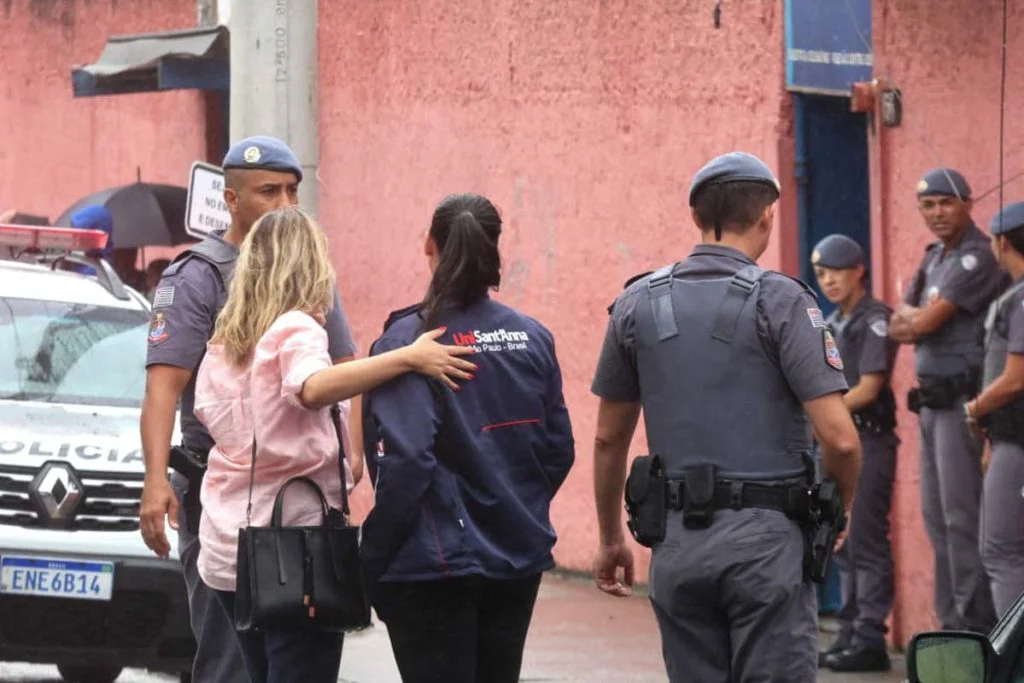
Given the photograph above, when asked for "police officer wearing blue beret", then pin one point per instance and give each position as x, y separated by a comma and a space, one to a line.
261, 174
942, 315
860, 325
999, 412
727, 361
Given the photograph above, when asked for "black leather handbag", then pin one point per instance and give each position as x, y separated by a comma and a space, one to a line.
301, 578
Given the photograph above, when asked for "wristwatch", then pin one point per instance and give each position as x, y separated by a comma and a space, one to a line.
968, 418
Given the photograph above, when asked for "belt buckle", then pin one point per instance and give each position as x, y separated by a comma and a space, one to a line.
736, 495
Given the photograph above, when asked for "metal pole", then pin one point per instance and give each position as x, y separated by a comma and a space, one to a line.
274, 80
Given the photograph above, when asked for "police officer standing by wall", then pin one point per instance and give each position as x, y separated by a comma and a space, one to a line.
724, 358
942, 315
260, 174
860, 324
999, 411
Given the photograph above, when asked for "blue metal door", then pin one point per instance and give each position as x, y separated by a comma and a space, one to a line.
832, 182
832, 176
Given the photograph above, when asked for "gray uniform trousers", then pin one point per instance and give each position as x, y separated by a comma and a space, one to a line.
951, 486
731, 600
1002, 526
218, 652
865, 561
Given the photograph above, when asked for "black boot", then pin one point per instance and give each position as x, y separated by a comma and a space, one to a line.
862, 658
824, 655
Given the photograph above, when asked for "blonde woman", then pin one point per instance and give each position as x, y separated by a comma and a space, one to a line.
267, 375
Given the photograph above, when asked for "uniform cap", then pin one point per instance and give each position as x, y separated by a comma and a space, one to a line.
944, 181
1009, 218
262, 152
733, 167
95, 217
837, 251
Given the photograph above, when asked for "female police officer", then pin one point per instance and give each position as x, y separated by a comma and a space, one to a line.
999, 409
860, 323
459, 533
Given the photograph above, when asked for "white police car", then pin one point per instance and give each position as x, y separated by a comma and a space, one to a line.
78, 588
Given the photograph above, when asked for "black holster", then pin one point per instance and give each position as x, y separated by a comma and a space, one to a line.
825, 521
942, 393
699, 496
1006, 423
878, 417
646, 490
191, 464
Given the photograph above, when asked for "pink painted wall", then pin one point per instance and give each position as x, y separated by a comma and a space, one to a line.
57, 148
584, 122
944, 55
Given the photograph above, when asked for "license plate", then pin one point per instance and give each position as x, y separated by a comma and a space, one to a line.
56, 578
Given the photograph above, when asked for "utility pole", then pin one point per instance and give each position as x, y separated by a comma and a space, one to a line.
274, 80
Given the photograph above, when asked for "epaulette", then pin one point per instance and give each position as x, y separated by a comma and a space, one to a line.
625, 286
635, 278
806, 287
395, 316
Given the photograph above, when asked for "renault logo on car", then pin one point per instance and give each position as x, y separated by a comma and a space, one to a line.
57, 491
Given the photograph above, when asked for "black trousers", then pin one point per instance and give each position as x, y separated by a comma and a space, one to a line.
287, 656
460, 630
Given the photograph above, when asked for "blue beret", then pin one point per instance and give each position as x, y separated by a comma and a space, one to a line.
95, 217
262, 152
1009, 218
837, 251
944, 181
732, 167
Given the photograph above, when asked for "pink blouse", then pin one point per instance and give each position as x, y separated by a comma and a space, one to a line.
291, 440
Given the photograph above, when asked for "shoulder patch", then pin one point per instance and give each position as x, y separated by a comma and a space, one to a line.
163, 297
395, 316
817, 320
880, 327
636, 277
157, 330
969, 261
832, 356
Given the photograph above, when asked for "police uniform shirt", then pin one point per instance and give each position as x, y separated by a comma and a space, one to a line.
185, 308
968, 276
863, 340
790, 327
1010, 322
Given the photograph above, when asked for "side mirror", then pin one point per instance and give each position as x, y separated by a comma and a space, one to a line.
949, 657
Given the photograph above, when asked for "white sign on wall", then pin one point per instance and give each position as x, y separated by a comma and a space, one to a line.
206, 209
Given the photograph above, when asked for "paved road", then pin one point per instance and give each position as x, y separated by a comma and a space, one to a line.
578, 635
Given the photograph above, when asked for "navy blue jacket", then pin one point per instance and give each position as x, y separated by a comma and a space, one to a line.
464, 480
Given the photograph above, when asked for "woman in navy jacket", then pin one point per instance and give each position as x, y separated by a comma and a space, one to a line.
460, 531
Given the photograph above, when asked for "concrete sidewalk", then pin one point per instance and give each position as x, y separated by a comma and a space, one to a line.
578, 635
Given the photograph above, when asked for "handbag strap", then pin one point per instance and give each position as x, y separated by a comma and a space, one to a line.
336, 419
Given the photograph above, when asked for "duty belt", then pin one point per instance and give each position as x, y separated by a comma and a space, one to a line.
791, 499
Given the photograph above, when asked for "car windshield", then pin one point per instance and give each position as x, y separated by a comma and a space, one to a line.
72, 353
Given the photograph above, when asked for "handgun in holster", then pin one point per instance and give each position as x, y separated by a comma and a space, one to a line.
826, 520
190, 464
646, 491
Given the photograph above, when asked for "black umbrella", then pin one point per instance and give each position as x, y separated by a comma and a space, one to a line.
145, 214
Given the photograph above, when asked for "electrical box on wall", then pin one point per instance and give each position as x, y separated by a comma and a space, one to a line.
892, 107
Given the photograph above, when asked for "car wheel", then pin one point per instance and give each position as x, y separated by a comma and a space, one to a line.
89, 674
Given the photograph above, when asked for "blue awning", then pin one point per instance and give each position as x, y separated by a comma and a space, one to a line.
147, 62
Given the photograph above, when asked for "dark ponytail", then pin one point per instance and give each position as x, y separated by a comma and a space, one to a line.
465, 228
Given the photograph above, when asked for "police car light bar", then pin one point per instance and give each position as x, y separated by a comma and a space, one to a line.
38, 238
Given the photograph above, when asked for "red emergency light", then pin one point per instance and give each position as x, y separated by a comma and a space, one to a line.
39, 238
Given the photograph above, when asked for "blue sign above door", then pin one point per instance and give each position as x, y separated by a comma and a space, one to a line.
828, 45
